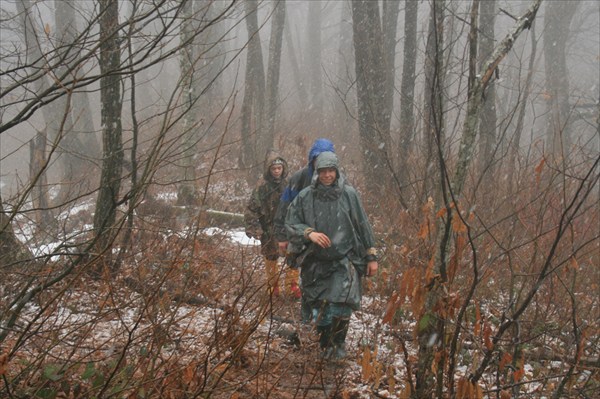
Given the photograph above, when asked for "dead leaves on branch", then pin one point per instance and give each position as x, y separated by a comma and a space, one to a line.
480, 329
468, 390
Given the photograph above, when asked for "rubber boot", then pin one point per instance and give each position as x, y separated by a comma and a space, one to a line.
305, 311
272, 276
339, 330
325, 341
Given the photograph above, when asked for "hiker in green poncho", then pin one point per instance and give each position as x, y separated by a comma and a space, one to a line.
327, 225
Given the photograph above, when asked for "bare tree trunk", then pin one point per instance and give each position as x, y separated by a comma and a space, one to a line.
389, 25
84, 126
11, 249
273, 68
253, 103
371, 80
557, 20
515, 142
187, 192
433, 112
212, 57
345, 75
313, 63
51, 113
407, 89
295, 63
476, 97
110, 94
76, 172
488, 120
39, 182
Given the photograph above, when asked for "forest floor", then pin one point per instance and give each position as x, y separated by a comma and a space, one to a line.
188, 315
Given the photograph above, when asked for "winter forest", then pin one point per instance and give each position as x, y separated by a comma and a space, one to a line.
132, 133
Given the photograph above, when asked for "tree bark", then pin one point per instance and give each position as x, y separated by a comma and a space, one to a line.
187, 192
37, 177
296, 73
345, 76
371, 80
72, 151
273, 68
313, 63
488, 119
110, 95
389, 25
253, 103
51, 113
12, 251
433, 104
407, 90
476, 98
557, 20
515, 142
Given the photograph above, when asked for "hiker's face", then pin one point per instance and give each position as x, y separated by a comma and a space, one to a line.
276, 171
327, 176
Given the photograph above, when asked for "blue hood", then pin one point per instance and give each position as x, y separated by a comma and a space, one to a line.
319, 146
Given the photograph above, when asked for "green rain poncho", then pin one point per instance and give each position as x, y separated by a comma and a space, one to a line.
331, 274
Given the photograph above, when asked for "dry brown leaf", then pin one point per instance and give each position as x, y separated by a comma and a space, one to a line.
366, 364
458, 226
538, 170
506, 359
423, 230
441, 213
518, 374
487, 332
391, 308
391, 381
468, 390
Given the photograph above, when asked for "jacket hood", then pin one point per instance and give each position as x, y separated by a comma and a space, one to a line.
319, 146
271, 158
328, 159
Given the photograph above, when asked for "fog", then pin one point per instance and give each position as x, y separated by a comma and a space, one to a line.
316, 93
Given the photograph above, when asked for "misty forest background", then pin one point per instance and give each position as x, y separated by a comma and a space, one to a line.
132, 132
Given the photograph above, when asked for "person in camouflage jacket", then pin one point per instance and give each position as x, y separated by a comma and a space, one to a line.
260, 212
326, 222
